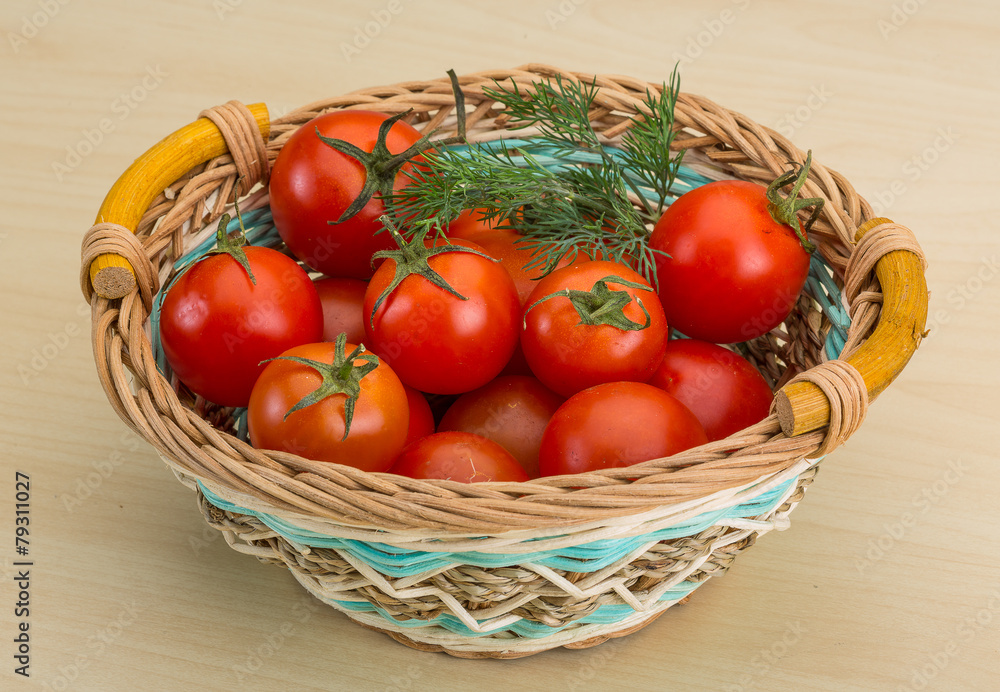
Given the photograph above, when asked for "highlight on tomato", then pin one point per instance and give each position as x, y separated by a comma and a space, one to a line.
732, 258
232, 309
444, 315
330, 402
616, 424
458, 456
316, 188
722, 389
590, 323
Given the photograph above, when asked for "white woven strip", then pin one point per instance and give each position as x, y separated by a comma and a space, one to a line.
514, 542
439, 636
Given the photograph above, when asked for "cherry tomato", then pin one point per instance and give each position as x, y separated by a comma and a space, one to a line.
511, 411
720, 387
471, 223
342, 313
568, 356
514, 256
458, 456
378, 427
616, 424
216, 325
421, 417
313, 184
435, 341
732, 272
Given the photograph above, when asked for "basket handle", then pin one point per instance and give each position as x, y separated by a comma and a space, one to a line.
111, 275
802, 407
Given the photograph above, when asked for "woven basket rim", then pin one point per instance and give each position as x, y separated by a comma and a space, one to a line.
747, 149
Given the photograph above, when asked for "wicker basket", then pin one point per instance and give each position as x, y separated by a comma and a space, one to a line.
500, 570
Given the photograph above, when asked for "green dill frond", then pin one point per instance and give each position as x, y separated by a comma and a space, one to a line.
647, 142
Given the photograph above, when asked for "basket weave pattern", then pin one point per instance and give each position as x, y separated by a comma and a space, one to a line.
342, 503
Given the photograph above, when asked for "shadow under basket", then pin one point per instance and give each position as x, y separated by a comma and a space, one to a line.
500, 570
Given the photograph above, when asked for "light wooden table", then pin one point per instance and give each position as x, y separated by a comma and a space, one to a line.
130, 591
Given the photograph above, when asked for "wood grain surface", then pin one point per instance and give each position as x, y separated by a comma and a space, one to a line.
889, 578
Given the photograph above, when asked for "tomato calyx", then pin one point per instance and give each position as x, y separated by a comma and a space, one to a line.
784, 209
413, 257
601, 305
233, 246
340, 377
381, 165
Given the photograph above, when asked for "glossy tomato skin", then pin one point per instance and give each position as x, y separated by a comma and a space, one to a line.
568, 356
421, 417
342, 301
378, 429
720, 387
616, 424
472, 223
503, 245
216, 326
511, 411
312, 184
435, 341
733, 273
458, 456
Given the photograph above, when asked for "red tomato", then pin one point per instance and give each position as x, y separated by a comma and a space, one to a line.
435, 341
568, 356
722, 389
378, 428
502, 245
216, 326
733, 273
458, 456
511, 411
342, 313
471, 223
616, 424
313, 184
421, 417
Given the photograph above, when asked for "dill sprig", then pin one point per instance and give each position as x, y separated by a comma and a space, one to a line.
562, 205
647, 143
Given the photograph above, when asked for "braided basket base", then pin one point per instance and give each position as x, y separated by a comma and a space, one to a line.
323, 572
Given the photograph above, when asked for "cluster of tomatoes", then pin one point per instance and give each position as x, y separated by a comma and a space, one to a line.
531, 375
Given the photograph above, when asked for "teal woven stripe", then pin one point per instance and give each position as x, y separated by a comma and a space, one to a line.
398, 562
604, 615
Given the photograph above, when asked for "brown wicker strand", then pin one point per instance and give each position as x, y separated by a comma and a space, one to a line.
244, 141
845, 388
104, 238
